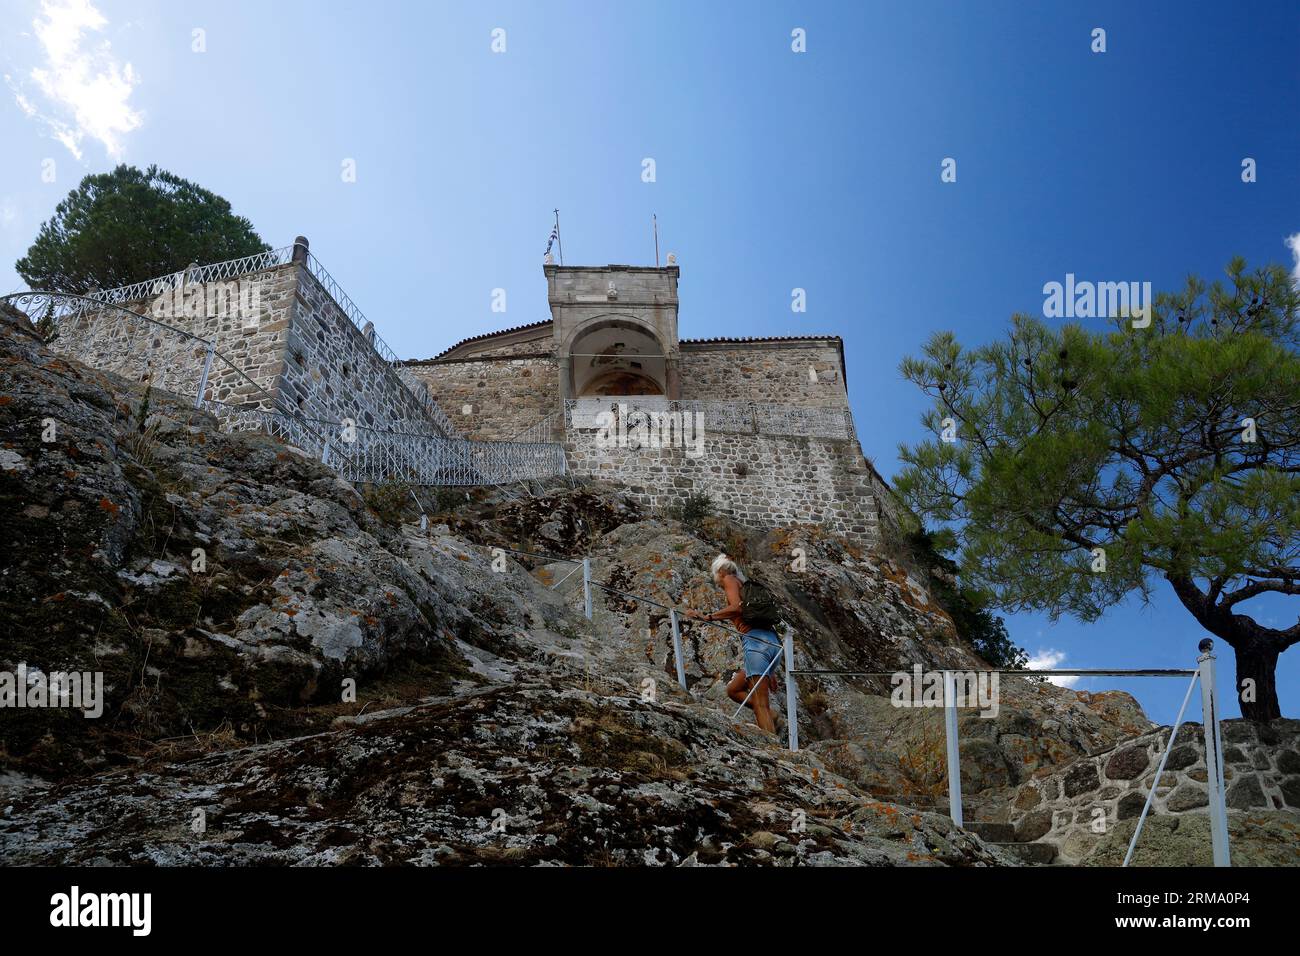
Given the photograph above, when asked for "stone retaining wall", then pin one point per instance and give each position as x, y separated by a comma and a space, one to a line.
285, 332
805, 372
1075, 807
493, 399
762, 481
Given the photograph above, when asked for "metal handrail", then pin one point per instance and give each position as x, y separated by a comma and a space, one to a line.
735, 417
546, 423
382, 454
273, 258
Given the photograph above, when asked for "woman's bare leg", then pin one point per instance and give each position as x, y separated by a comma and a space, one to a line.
762, 713
739, 684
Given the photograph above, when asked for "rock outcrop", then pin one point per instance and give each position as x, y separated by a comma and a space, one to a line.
234, 593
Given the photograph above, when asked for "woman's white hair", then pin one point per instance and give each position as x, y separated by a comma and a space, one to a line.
722, 564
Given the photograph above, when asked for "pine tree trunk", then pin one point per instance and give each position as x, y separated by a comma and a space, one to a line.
1257, 664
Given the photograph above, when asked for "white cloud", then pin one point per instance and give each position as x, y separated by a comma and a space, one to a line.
1048, 658
1293, 243
85, 90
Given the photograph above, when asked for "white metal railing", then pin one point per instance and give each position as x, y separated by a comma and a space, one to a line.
539, 431
271, 258
360, 453
212, 272
787, 641
751, 418
1204, 673
108, 336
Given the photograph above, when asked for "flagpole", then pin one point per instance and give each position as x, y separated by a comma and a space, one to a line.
655, 217
558, 241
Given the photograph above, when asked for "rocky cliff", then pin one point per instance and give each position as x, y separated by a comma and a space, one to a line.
233, 592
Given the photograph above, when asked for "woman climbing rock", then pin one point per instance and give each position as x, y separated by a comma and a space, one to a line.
750, 610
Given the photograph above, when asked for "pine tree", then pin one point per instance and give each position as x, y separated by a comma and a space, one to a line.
1088, 465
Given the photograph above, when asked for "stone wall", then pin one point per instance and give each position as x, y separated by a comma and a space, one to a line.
1261, 768
332, 371
297, 343
775, 372
762, 481
504, 396
253, 339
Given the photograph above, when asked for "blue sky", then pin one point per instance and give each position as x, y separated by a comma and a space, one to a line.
774, 169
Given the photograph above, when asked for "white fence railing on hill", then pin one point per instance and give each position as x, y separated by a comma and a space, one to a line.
151, 289
116, 339
745, 418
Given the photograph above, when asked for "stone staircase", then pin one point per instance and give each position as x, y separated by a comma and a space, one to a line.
995, 833
1003, 836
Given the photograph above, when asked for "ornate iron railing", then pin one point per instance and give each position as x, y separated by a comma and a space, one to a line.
113, 338
542, 430
369, 454
150, 289
213, 272
750, 418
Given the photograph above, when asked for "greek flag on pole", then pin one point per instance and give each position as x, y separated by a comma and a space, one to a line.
549, 242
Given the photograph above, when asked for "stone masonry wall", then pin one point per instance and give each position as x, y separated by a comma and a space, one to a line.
253, 342
297, 343
772, 372
1261, 768
332, 372
504, 396
763, 481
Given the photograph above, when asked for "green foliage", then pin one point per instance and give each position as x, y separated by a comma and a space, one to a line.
449, 499
1130, 441
693, 510
141, 435
390, 500
975, 623
46, 327
127, 226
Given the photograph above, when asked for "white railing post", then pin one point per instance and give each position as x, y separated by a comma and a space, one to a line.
203, 379
586, 586
1213, 755
791, 692
954, 758
1160, 770
677, 648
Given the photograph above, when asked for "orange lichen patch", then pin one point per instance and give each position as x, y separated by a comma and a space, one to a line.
390, 597
5, 399
462, 557
106, 505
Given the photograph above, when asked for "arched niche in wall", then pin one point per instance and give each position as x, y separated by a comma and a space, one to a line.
617, 357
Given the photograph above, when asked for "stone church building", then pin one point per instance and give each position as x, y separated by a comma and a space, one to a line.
779, 445
771, 440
